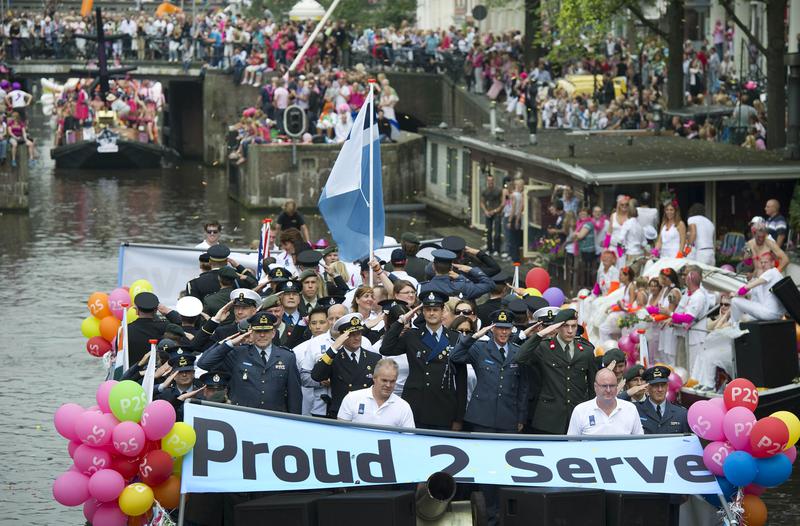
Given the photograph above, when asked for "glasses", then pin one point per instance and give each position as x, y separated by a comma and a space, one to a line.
724, 304
212, 231
465, 331
467, 312
606, 386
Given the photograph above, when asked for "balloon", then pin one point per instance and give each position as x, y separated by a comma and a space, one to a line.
737, 425
705, 420
140, 285
72, 446
136, 499
754, 489
125, 466
634, 337
728, 491
682, 372
97, 346
101, 395
108, 327
675, 382
773, 471
94, 428
537, 278
90, 507
180, 440
132, 315
129, 439
98, 305
719, 403
157, 419
554, 296
740, 468
530, 291
156, 467
109, 514
672, 396
106, 485
790, 453
714, 456
792, 423
626, 345
741, 393
728, 267
768, 437
127, 401
64, 420
71, 488
90, 327
116, 300
168, 493
755, 511
89, 460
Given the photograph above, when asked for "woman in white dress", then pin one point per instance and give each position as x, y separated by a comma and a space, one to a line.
668, 300
609, 328
672, 236
615, 238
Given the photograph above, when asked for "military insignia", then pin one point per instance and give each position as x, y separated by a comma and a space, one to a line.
183, 362
549, 315
431, 297
244, 376
369, 368
278, 273
502, 317
289, 284
552, 345
215, 378
264, 320
354, 322
580, 347
657, 373
178, 352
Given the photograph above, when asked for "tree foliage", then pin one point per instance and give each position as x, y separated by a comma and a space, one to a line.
360, 12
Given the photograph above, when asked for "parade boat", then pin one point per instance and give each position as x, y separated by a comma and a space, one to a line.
108, 144
770, 400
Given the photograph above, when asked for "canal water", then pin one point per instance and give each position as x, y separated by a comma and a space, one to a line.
64, 249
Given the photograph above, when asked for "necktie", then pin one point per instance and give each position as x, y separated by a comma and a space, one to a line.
308, 307
436, 337
503, 353
568, 350
658, 410
354, 356
264, 357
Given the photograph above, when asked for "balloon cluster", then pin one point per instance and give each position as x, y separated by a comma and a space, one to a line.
537, 281
106, 315
745, 452
126, 454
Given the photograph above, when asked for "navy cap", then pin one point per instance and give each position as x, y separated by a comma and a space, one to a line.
330, 301
633, 372
546, 314
219, 253
518, 306
387, 305
446, 256
656, 375
501, 277
146, 301
215, 379
278, 274
503, 318
398, 254
613, 354
454, 243
184, 362
245, 297
228, 273
308, 258
433, 298
262, 321
349, 323
289, 286
204, 257
535, 303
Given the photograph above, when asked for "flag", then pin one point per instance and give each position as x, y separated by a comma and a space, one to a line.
150, 373
121, 359
86, 7
644, 351
345, 200
263, 246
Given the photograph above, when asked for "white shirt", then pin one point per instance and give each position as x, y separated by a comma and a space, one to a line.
361, 406
705, 232
647, 216
763, 296
402, 274
300, 352
588, 419
606, 277
633, 237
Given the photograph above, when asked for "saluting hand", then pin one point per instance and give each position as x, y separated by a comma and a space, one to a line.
170, 379
406, 318
240, 337
547, 331
340, 341
164, 370
223, 312
190, 394
636, 389
463, 268
478, 335
533, 328
144, 359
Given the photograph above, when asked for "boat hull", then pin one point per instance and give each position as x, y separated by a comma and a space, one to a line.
128, 155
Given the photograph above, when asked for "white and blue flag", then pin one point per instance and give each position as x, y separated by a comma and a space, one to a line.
345, 200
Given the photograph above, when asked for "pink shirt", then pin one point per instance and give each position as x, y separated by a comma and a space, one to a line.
281, 98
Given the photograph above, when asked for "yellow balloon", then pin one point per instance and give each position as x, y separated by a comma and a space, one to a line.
140, 285
132, 315
90, 327
792, 422
533, 292
136, 499
180, 439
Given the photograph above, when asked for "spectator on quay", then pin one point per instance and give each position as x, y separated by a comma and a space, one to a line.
492, 206
18, 135
776, 223
290, 217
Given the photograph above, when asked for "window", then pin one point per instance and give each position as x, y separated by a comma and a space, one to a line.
452, 172
434, 163
466, 172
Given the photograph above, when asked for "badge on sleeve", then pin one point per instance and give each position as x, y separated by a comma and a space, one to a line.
591, 420
360, 409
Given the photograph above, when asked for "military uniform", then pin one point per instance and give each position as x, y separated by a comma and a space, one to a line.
673, 417
564, 382
274, 385
344, 374
142, 330
180, 360
203, 285
471, 286
500, 399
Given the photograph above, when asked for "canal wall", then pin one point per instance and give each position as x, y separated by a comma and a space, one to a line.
270, 176
14, 183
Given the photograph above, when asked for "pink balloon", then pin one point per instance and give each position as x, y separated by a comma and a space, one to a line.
90, 460
115, 301
129, 438
102, 395
626, 345
95, 408
94, 429
109, 514
718, 401
634, 337
90, 507
64, 420
791, 453
754, 489
157, 419
106, 485
72, 446
737, 424
714, 456
675, 382
705, 420
71, 489
672, 396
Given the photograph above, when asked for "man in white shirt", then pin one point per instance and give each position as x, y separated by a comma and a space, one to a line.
605, 414
701, 235
212, 233
763, 305
378, 404
399, 260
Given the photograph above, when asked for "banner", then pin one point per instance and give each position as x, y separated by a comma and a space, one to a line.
245, 450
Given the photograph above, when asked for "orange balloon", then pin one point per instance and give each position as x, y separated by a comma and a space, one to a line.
98, 305
755, 511
108, 327
168, 493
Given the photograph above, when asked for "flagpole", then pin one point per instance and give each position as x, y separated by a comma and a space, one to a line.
371, 177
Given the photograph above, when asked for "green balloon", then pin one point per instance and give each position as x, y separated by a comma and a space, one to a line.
127, 401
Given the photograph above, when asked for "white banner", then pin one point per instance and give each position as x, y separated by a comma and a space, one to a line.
246, 450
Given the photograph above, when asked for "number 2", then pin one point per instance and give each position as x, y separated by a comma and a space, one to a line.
460, 461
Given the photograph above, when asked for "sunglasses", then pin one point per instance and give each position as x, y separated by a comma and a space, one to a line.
727, 304
212, 231
465, 331
467, 312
